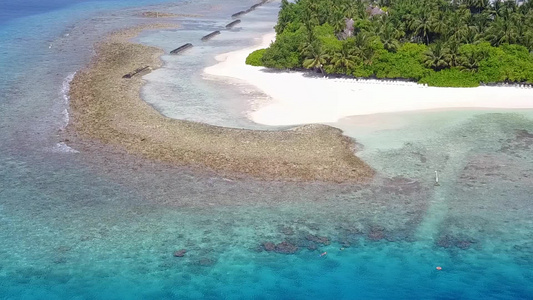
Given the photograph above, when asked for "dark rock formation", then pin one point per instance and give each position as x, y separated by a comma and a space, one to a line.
463, 244
242, 12
206, 262
324, 240
210, 36
376, 233
269, 246
180, 253
286, 248
181, 48
345, 244
449, 241
143, 70
313, 226
445, 241
399, 185
230, 25
287, 230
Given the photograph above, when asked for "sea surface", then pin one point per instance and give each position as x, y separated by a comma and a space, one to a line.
83, 225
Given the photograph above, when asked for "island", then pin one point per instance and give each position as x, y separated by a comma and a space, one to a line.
432, 42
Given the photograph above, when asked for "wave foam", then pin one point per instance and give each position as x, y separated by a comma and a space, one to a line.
65, 90
63, 148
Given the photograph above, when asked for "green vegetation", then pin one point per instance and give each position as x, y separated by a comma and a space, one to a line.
437, 42
255, 58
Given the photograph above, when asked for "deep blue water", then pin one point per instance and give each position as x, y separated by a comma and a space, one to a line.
105, 226
10, 10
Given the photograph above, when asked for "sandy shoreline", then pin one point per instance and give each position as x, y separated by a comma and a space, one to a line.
107, 108
297, 98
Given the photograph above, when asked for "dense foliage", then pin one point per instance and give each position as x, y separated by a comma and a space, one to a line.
438, 42
255, 58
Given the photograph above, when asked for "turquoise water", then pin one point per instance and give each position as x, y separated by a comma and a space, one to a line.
101, 225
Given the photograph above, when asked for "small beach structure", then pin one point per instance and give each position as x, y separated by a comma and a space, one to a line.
237, 14
374, 11
137, 71
181, 48
210, 36
231, 24
242, 12
348, 29
255, 6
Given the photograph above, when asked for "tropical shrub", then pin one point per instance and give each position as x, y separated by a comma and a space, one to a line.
441, 43
256, 58
450, 78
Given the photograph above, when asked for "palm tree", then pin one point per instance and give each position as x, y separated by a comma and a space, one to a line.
526, 7
308, 42
339, 22
478, 5
496, 6
437, 57
440, 26
389, 36
481, 21
471, 35
309, 18
501, 32
360, 9
406, 23
285, 16
469, 61
453, 52
361, 46
423, 26
527, 40
344, 59
457, 23
384, 2
507, 9
316, 58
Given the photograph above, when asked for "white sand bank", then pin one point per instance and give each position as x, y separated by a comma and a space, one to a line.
297, 98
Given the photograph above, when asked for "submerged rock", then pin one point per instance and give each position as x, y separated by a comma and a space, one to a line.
287, 230
462, 244
376, 233
269, 246
324, 240
286, 248
346, 244
445, 241
180, 253
449, 241
312, 246
399, 185
206, 262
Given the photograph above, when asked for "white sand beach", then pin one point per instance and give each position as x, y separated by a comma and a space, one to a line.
297, 98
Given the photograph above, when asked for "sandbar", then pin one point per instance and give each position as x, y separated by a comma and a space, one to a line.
107, 108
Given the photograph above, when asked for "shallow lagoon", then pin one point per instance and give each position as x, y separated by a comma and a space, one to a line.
103, 225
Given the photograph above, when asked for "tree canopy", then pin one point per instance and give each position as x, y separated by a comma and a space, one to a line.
438, 42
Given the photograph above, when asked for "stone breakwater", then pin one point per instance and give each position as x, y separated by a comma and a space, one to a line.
107, 108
